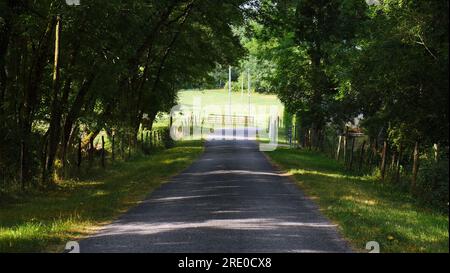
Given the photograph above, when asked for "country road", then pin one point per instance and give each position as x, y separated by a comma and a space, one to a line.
230, 200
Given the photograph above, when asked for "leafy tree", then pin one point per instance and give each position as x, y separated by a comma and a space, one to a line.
100, 65
304, 35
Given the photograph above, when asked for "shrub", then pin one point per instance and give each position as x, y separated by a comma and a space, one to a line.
433, 184
235, 87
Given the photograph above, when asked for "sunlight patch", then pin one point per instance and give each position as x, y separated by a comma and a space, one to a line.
360, 200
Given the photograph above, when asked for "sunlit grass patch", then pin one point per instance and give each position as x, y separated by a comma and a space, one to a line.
365, 209
46, 221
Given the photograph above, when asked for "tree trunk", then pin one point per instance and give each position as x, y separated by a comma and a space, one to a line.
80, 155
136, 125
74, 112
23, 166
31, 97
55, 121
4, 41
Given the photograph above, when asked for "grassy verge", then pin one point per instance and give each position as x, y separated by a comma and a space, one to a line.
46, 221
365, 209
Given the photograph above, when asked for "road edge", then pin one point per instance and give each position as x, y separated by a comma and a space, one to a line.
293, 180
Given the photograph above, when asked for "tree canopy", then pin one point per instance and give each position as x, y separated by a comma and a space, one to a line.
333, 61
103, 65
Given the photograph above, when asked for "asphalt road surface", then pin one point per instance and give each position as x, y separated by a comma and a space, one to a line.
231, 200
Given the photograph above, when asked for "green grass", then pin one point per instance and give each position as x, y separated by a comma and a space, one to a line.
216, 102
46, 221
220, 97
365, 209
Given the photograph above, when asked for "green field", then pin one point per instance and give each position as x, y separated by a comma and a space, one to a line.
220, 97
257, 107
47, 220
365, 209
217, 102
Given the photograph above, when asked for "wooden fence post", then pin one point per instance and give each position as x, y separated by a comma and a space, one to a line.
345, 149
147, 140
23, 163
191, 125
415, 166
397, 172
151, 140
103, 151
321, 140
113, 153
351, 153
338, 152
329, 145
393, 160
303, 143
296, 142
142, 140
371, 155
122, 146
91, 148
383, 160
309, 139
129, 146
201, 128
436, 152
376, 153
361, 155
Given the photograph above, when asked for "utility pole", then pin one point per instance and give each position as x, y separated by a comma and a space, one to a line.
249, 87
242, 85
229, 88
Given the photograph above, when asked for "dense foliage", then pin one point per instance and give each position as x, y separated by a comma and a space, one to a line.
71, 71
383, 63
338, 59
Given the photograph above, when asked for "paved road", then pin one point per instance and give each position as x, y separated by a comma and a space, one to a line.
230, 200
